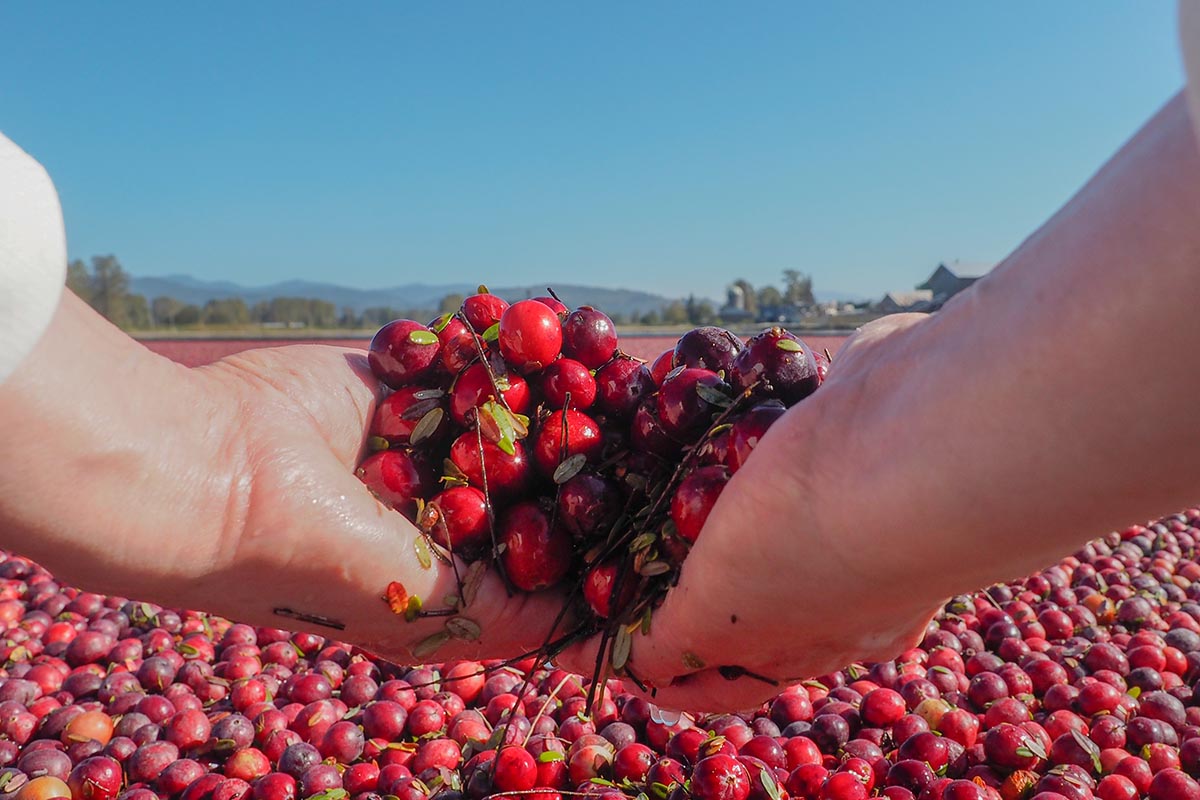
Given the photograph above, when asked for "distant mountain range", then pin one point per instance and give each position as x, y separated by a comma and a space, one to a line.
409, 296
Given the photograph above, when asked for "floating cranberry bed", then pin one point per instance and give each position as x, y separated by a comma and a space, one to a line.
1078, 682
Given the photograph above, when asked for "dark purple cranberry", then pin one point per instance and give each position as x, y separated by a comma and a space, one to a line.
778, 365
589, 337
707, 347
621, 384
588, 504
688, 401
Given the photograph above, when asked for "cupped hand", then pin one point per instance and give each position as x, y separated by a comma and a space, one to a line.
302, 533
781, 584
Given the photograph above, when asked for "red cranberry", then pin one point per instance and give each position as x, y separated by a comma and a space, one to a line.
474, 387
598, 585
553, 304
483, 310
551, 447
747, 431
457, 519
530, 335
400, 412
396, 478
508, 474
568, 379
459, 345
403, 352
694, 499
537, 552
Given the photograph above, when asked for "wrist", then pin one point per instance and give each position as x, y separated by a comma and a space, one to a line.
109, 439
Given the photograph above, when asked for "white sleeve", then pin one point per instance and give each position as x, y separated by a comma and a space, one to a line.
33, 254
1189, 41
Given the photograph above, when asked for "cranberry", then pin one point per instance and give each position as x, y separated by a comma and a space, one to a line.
507, 474
514, 770
688, 401
400, 412
474, 387
459, 345
588, 504
530, 335
648, 434
396, 478
483, 310
621, 384
537, 551
694, 499
457, 519
708, 348
554, 305
589, 337
778, 364
582, 436
568, 380
747, 431
598, 585
403, 352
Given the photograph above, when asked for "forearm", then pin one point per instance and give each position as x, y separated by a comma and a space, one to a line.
1054, 401
92, 426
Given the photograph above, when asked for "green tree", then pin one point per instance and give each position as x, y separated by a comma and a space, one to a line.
79, 281
798, 289
699, 312
137, 312
651, 317
230, 311
348, 320
769, 297
675, 313
164, 310
110, 286
188, 315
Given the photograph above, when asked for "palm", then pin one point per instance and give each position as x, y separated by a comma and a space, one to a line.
301, 533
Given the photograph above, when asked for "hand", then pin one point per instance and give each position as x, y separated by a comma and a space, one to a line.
781, 582
228, 488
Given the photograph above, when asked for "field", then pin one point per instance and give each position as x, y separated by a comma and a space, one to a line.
194, 352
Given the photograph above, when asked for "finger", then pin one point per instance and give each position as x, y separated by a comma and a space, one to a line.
331, 389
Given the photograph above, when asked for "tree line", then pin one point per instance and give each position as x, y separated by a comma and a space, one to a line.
104, 285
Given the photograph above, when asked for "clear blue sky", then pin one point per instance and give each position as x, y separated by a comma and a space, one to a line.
667, 145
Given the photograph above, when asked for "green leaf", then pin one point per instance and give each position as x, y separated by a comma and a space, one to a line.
463, 628
789, 345
423, 337
713, 396
428, 425
569, 468
769, 784
441, 322
1134, 692
482, 290
424, 557
377, 443
492, 333
429, 645
622, 642
550, 756
692, 661
653, 568
642, 541
472, 581
429, 394
413, 608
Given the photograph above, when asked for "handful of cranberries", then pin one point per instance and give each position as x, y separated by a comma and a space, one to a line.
521, 436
